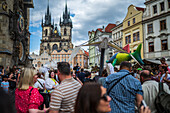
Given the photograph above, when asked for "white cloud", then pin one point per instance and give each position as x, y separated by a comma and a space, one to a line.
89, 14
35, 52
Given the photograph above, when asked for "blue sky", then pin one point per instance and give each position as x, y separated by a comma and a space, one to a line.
87, 15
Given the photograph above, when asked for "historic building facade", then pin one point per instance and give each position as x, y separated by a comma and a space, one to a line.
117, 35
96, 36
156, 25
52, 39
63, 55
40, 60
14, 32
132, 28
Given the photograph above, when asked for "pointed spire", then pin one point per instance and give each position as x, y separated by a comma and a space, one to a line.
48, 8
66, 8
42, 21
53, 22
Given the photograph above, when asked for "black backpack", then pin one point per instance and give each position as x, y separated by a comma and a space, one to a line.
162, 101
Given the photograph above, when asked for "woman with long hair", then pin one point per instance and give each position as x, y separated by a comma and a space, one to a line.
27, 98
51, 82
92, 98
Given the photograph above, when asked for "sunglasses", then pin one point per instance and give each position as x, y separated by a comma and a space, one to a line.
104, 97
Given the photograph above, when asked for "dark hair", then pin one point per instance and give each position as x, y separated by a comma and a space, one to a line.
39, 75
88, 98
64, 68
87, 73
5, 103
50, 74
146, 75
82, 69
162, 59
104, 73
125, 64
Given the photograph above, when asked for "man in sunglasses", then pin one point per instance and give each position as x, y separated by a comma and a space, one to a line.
64, 95
124, 89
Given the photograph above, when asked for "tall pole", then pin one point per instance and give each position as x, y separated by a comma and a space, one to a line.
101, 61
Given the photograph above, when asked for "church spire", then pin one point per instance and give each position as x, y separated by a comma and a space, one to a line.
48, 8
48, 16
66, 8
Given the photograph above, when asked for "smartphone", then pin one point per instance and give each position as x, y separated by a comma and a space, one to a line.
143, 103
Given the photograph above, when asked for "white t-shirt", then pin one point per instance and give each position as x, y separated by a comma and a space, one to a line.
150, 91
38, 85
161, 79
49, 83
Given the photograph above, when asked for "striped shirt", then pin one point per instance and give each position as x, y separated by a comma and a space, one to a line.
64, 96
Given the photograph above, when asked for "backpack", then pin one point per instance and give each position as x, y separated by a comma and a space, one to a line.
162, 101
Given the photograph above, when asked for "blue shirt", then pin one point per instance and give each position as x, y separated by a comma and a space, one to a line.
5, 86
123, 94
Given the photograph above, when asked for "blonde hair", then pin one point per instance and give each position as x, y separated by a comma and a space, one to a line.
26, 79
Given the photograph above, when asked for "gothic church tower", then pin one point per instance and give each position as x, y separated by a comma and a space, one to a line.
66, 29
51, 38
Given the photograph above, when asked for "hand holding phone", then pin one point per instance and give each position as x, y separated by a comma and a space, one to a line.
143, 104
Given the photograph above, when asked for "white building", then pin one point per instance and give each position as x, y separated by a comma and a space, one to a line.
156, 25
40, 61
99, 35
117, 35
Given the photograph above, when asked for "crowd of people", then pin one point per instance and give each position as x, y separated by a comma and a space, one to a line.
77, 90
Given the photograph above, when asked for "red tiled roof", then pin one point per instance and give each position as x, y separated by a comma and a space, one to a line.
87, 53
99, 29
140, 9
89, 31
109, 27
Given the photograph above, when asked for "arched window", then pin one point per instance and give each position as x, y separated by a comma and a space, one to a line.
55, 47
65, 31
46, 32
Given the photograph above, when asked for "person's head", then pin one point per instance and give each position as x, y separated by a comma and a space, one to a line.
5, 78
63, 69
51, 74
27, 78
126, 65
87, 74
104, 73
145, 75
92, 98
5, 103
162, 60
82, 70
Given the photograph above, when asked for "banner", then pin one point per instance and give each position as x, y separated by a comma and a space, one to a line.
74, 53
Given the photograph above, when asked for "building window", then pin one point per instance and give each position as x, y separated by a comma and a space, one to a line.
65, 31
35, 65
168, 3
133, 20
164, 45
128, 23
58, 55
162, 6
154, 9
163, 25
46, 32
65, 60
80, 60
136, 36
150, 28
41, 65
151, 47
128, 39
32, 65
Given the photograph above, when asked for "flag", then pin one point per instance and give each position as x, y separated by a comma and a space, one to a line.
72, 15
127, 48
